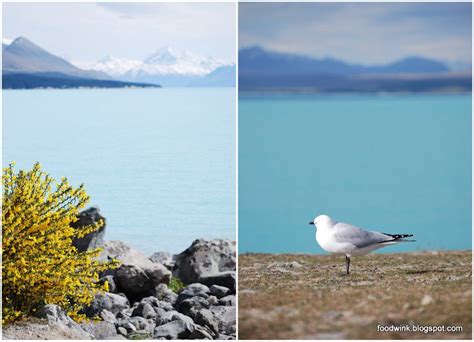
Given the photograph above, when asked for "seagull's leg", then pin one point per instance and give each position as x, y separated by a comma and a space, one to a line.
348, 262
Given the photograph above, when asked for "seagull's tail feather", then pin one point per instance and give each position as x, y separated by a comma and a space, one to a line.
398, 238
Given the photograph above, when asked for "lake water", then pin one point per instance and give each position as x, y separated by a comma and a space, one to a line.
160, 163
395, 163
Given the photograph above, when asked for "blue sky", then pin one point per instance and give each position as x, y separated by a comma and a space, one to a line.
86, 32
367, 33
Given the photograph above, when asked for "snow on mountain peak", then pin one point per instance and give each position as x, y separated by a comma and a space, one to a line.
115, 66
6, 41
165, 61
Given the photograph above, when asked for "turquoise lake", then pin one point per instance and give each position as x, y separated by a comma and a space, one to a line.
394, 163
159, 163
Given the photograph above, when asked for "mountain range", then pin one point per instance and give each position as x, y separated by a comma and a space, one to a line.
25, 65
170, 67
23, 61
261, 69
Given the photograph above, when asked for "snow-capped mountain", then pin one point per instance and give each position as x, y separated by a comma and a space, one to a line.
169, 61
167, 66
6, 41
115, 66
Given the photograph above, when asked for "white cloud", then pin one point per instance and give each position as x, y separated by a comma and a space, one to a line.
89, 31
366, 33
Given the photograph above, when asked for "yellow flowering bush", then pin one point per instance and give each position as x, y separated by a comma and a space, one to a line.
40, 265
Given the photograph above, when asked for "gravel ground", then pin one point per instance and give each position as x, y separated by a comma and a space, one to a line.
291, 296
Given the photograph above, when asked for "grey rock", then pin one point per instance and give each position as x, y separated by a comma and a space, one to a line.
213, 300
226, 279
123, 314
200, 333
223, 337
219, 291
173, 330
57, 316
169, 316
226, 316
190, 306
228, 301
144, 310
141, 323
148, 311
92, 240
193, 290
122, 331
162, 292
206, 318
204, 258
135, 268
108, 301
126, 325
138, 280
164, 258
100, 330
108, 316
155, 303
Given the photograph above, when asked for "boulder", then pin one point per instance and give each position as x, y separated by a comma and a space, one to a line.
174, 330
141, 323
200, 333
226, 316
228, 301
144, 310
107, 301
219, 291
122, 331
123, 314
163, 292
101, 330
190, 306
205, 258
166, 317
92, 240
58, 317
222, 337
108, 316
193, 290
206, 318
226, 279
164, 258
137, 276
213, 300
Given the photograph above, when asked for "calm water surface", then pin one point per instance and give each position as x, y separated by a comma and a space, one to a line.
399, 164
160, 163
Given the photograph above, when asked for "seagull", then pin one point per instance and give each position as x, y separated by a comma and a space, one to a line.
343, 238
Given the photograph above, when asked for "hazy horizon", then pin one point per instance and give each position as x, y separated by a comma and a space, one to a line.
84, 33
361, 33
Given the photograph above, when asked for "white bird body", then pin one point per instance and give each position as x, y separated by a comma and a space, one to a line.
343, 238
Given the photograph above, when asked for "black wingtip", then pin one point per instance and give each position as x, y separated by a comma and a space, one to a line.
398, 236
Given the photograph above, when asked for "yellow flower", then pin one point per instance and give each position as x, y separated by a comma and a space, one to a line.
40, 265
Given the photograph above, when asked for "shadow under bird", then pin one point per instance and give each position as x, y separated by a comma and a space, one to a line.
343, 238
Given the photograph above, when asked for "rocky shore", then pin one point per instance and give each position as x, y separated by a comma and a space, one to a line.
290, 296
141, 302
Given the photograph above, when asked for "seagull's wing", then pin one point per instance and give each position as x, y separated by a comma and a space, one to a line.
346, 233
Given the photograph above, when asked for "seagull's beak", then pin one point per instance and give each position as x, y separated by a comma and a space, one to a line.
311, 222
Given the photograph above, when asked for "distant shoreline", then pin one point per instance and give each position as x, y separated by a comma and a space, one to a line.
13, 80
314, 91
413, 253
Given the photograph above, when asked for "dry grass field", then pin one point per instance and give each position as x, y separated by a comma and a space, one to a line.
290, 296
